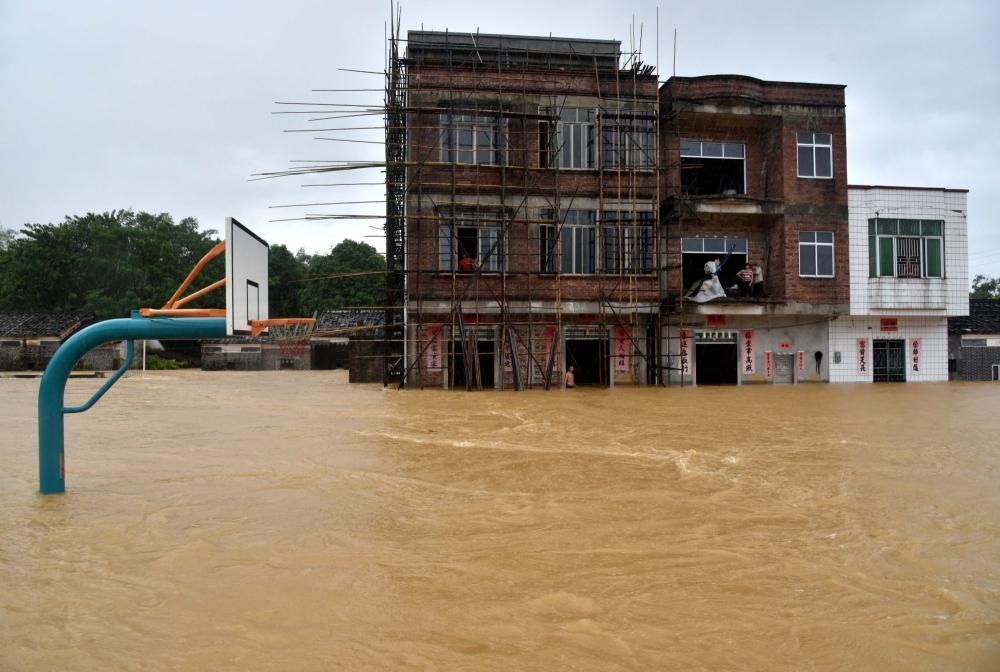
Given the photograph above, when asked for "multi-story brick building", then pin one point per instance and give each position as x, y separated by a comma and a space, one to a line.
530, 211
560, 209
755, 173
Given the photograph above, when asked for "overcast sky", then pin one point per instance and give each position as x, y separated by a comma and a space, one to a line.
167, 106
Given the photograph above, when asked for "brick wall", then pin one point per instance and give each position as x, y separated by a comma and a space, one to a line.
977, 363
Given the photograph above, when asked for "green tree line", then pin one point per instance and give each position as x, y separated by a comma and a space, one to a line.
114, 262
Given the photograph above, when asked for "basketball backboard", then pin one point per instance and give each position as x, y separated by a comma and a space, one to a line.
246, 278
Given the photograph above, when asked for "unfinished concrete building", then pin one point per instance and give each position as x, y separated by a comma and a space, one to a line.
530, 202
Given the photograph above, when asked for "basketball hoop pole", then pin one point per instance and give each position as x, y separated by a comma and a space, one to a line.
51, 391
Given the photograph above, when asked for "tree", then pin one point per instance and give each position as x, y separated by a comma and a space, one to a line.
108, 263
284, 282
350, 275
985, 288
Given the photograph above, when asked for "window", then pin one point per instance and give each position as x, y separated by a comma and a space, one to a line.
472, 139
628, 242
815, 154
547, 245
566, 140
475, 235
697, 251
577, 236
905, 248
816, 254
710, 168
627, 139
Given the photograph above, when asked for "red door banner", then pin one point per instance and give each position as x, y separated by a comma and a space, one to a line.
748, 354
768, 365
916, 345
685, 352
508, 367
863, 355
800, 358
433, 357
621, 349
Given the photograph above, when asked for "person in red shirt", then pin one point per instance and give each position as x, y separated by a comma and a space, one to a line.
745, 278
466, 264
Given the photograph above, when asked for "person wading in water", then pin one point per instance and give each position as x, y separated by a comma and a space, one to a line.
570, 378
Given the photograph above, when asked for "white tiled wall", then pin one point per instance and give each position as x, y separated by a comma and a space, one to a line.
909, 296
845, 331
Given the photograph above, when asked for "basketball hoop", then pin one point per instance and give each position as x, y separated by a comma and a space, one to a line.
291, 334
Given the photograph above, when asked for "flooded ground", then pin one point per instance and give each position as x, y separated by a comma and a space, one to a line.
287, 521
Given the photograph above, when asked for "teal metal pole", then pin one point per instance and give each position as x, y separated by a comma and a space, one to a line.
51, 392
129, 355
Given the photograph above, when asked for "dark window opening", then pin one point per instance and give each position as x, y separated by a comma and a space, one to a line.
694, 267
708, 177
486, 352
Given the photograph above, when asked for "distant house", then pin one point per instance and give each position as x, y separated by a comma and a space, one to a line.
29, 339
974, 342
342, 339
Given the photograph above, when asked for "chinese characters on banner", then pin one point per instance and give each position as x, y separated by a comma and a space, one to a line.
800, 357
863, 355
768, 365
685, 352
621, 349
748, 354
916, 344
550, 334
433, 360
508, 367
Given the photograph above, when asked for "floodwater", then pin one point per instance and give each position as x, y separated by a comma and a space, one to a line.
288, 521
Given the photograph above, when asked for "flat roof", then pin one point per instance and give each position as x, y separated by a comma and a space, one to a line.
902, 188
748, 78
434, 39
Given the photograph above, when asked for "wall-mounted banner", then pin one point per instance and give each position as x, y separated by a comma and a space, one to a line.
748, 351
685, 352
800, 358
785, 345
621, 349
434, 338
916, 345
508, 366
863, 355
768, 365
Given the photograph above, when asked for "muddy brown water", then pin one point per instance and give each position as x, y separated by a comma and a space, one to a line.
288, 521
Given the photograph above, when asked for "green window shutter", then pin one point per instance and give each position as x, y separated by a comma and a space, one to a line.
933, 251
886, 257
872, 258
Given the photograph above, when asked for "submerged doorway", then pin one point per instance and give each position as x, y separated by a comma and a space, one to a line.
715, 358
589, 359
889, 360
487, 361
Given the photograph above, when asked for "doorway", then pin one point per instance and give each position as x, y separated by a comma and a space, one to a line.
889, 360
715, 363
486, 350
589, 359
784, 369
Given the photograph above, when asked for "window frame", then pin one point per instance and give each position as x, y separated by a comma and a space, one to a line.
451, 222
635, 252
453, 123
702, 155
816, 244
875, 243
622, 133
813, 145
553, 151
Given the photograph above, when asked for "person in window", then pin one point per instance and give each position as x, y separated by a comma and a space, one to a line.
758, 281
745, 279
466, 264
570, 378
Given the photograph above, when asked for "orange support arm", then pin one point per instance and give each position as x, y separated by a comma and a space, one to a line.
212, 254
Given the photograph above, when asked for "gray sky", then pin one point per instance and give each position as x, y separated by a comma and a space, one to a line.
167, 106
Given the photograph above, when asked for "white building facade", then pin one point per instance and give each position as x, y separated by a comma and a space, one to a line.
909, 273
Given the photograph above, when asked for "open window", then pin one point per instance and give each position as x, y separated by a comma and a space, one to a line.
471, 241
713, 168
696, 252
627, 139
